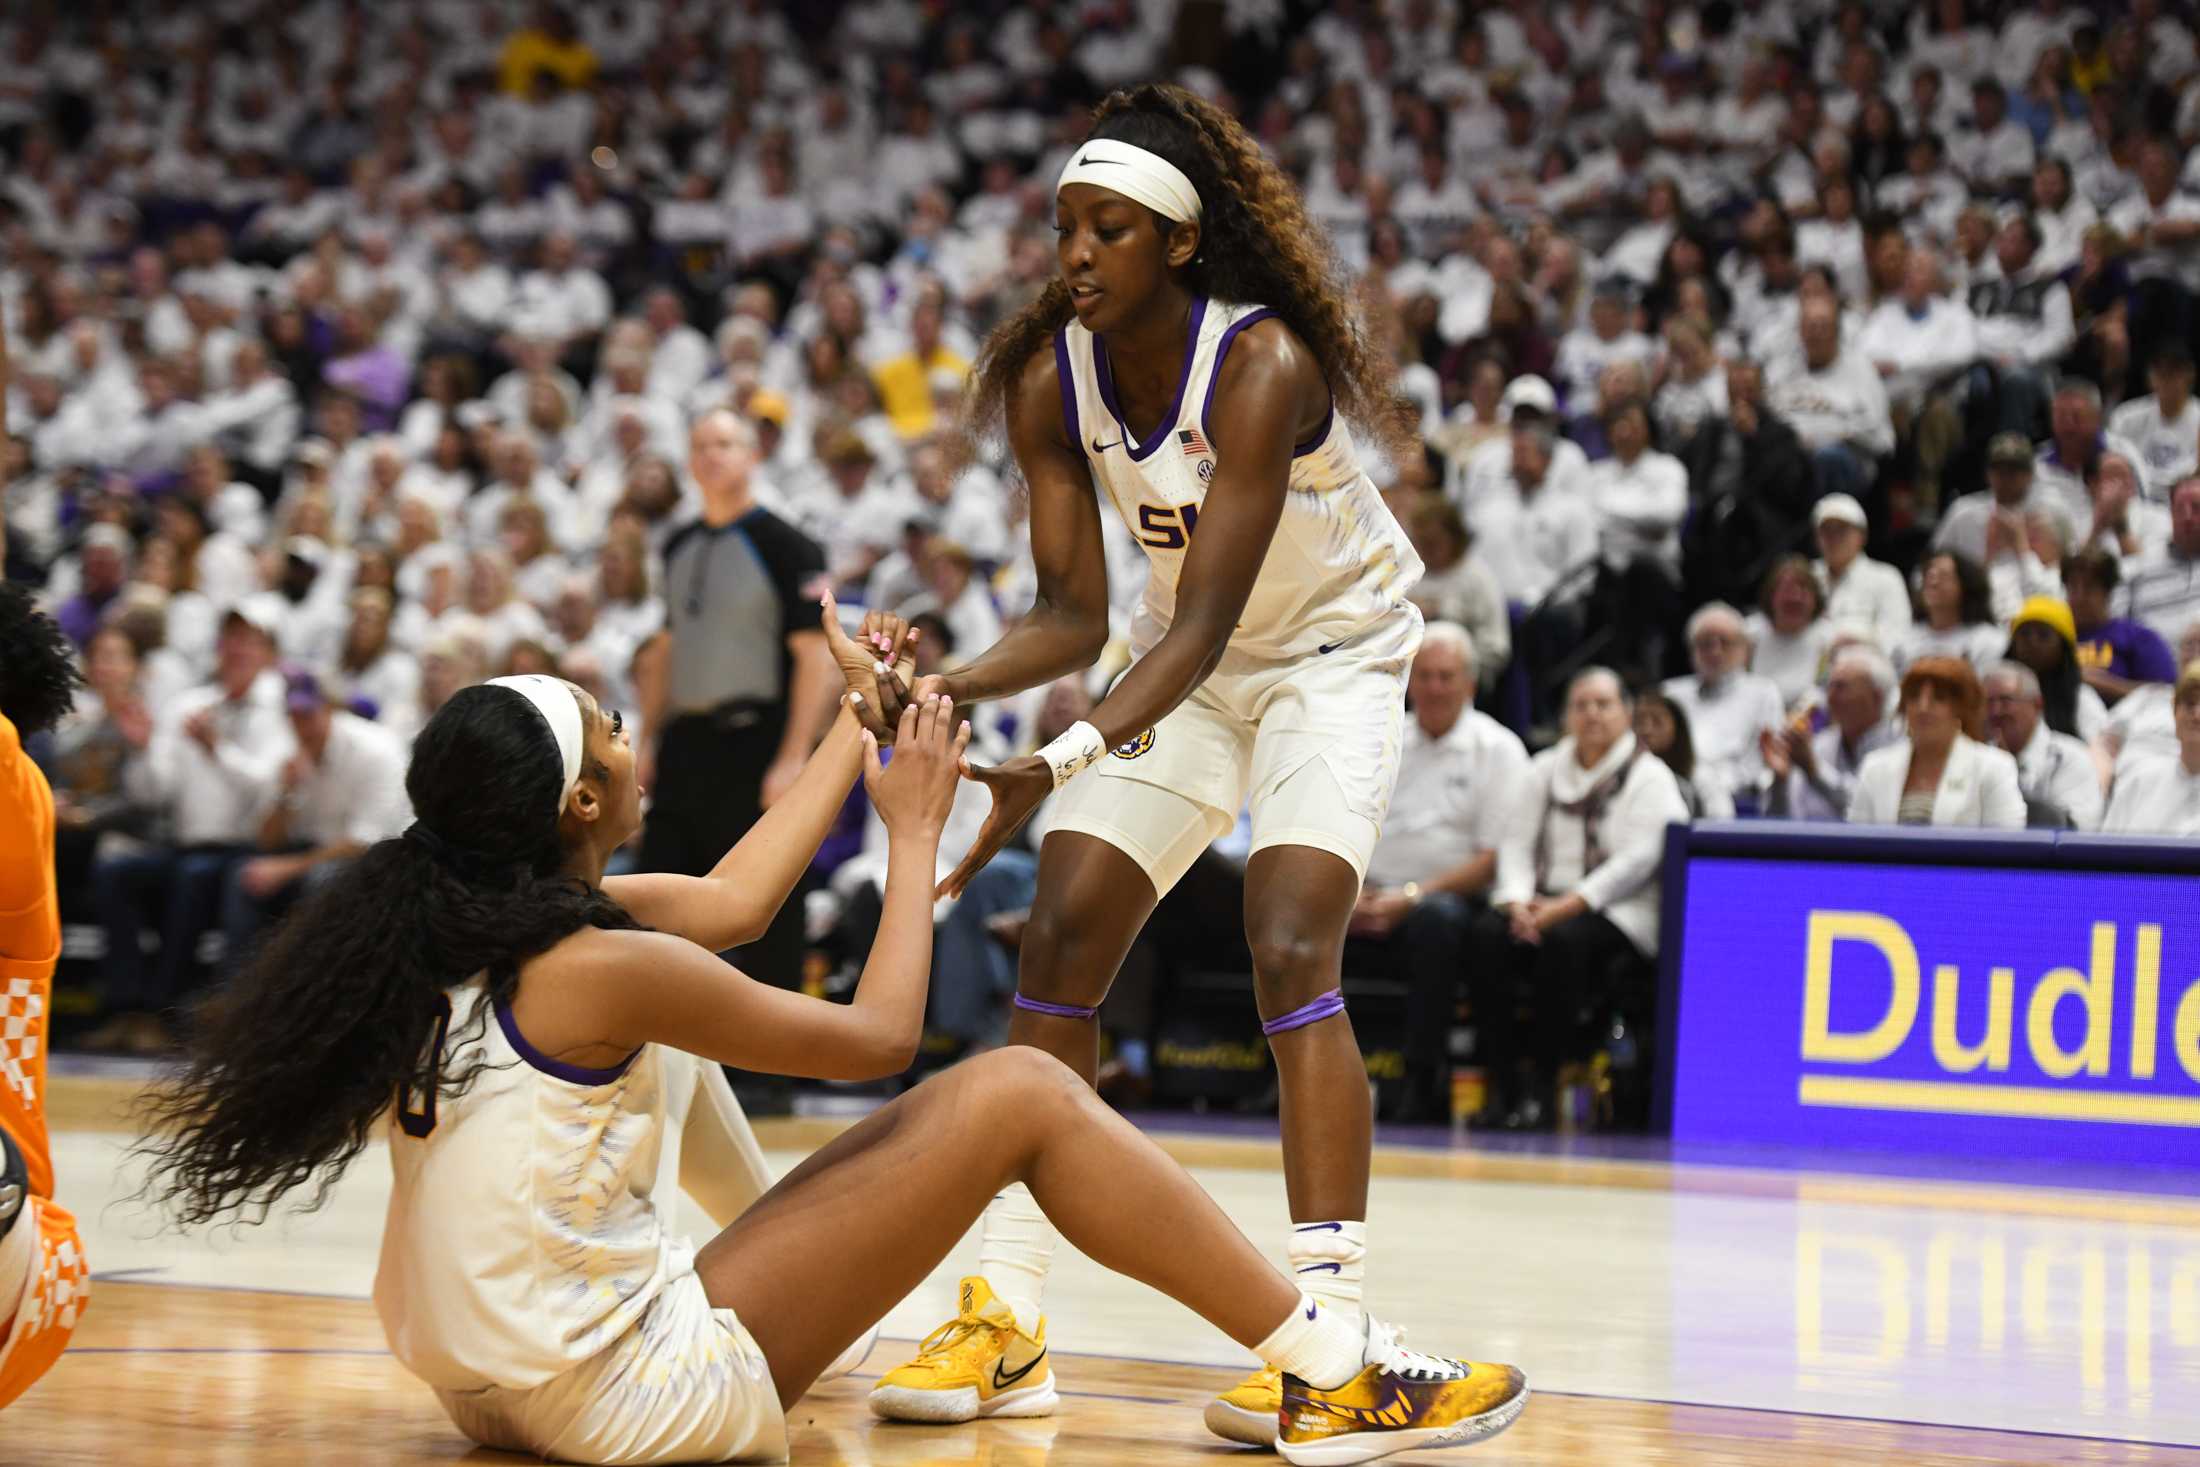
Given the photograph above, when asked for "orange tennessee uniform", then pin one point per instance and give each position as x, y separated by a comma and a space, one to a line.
53, 1294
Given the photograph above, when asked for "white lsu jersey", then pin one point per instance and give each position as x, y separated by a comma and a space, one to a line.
523, 1234
1339, 564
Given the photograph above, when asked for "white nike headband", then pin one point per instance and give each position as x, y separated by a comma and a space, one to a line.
553, 699
1142, 177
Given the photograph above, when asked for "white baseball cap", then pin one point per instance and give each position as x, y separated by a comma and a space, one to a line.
1842, 507
1528, 391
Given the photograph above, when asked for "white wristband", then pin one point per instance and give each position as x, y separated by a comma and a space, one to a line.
1076, 750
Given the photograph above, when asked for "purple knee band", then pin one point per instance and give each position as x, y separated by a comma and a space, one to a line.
1328, 1004
1059, 1010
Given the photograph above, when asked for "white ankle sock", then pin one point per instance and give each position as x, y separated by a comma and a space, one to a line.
1316, 1344
1328, 1260
1015, 1252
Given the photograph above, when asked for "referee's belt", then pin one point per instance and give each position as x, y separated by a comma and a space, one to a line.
735, 713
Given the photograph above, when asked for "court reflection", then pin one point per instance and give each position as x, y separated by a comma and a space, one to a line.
2091, 1327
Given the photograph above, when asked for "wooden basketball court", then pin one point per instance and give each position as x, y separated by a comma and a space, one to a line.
1664, 1314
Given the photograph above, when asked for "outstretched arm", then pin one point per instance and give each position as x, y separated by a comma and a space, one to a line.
744, 891
602, 994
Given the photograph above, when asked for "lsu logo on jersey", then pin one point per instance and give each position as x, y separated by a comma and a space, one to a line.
1132, 748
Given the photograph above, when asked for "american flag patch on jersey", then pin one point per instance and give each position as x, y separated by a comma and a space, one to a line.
1194, 442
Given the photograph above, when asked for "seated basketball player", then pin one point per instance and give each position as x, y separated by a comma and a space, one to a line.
479, 992
44, 1280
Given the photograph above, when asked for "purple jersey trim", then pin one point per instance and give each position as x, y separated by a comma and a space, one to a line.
1105, 375
1214, 376
559, 1069
1067, 381
1328, 1006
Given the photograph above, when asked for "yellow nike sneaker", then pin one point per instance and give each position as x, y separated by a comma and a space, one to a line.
1247, 1411
1401, 1401
977, 1364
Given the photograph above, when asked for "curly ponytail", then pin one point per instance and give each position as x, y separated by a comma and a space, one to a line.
295, 1057
1256, 245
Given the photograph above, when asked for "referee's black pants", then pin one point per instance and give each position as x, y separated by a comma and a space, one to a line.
710, 781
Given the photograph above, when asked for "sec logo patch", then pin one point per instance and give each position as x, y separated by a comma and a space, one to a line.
1134, 747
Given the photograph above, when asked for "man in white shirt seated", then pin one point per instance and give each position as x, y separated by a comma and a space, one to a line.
1921, 338
562, 300
1813, 775
210, 762
1573, 918
2162, 592
1834, 400
1586, 352
1727, 705
2076, 446
341, 790
2159, 794
2163, 427
2025, 326
2062, 788
1995, 153
1864, 597
1458, 772
1995, 527
1640, 497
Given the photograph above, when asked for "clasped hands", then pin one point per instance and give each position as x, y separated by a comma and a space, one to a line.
879, 664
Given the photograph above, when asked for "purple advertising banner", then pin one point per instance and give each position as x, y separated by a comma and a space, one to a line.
1941, 1010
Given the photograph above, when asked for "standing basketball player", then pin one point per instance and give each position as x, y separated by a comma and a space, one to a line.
44, 1279
481, 984
1272, 646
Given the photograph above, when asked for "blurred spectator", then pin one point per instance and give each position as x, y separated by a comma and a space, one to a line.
1790, 636
1662, 726
1727, 705
2164, 426
1574, 914
213, 759
1814, 775
1833, 398
1640, 497
1864, 597
2162, 591
1458, 774
2044, 637
341, 790
2159, 794
1941, 772
2115, 653
96, 752
1956, 606
2003, 528
2062, 790
1457, 586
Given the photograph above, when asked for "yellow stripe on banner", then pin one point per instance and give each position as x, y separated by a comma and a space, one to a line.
2030, 1101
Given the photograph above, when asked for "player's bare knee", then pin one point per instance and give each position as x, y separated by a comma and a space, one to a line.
1049, 967
1288, 955
1029, 1082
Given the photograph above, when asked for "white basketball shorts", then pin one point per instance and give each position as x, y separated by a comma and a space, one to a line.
1314, 743
685, 1384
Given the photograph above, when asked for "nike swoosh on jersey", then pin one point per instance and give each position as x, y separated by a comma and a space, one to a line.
1099, 447
1003, 1379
